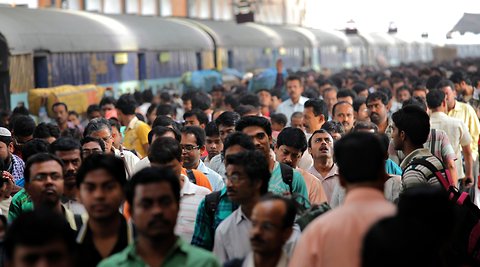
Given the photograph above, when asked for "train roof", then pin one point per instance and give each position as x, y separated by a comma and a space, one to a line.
27, 30
329, 38
291, 37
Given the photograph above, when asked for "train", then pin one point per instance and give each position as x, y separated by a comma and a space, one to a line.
42, 48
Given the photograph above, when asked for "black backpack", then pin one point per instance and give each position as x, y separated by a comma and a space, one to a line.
466, 241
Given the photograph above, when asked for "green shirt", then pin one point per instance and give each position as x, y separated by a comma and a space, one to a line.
277, 186
21, 203
181, 254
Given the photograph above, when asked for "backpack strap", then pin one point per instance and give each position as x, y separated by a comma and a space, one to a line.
78, 221
122, 156
287, 175
445, 181
191, 176
211, 205
433, 138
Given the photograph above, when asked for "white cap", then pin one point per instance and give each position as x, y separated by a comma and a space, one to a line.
5, 132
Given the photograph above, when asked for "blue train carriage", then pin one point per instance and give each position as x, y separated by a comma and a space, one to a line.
48, 48
243, 47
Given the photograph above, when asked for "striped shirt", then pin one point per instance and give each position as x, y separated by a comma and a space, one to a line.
416, 175
190, 197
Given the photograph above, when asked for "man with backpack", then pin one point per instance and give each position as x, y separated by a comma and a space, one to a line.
411, 127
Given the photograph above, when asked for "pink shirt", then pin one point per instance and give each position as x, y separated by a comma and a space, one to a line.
335, 239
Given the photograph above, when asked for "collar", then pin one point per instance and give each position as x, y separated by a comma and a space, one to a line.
188, 187
360, 194
131, 251
458, 106
83, 231
301, 101
132, 123
420, 152
239, 216
333, 172
202, 167
69, 217
438, 115
249, 260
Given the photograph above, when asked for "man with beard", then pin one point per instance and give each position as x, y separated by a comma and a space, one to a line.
377, 104
154, 198
69, 150
272, 225
13, 164
343, 113
100, 182
44, 184
246, 183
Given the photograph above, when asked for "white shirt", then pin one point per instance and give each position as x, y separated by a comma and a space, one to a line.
249, 261
214, 178
130, 160
288, 107
190, 197
141, 164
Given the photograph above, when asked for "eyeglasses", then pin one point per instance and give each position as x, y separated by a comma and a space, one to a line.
189, 148
234, 179
41, 177
92, 151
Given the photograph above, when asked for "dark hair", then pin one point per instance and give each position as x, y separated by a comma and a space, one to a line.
360, 158
89, 139
201, 101
414, 122
358, 102
294, 78
417, 101
187, 96
460, 76
39, 158
318, 106
238, 138
340, 103
296, 114
163, 120
311, 93
444, 83
346, 93
96, 125
65, 144
435, 98
200, 115
403, 88
33, 147
198, 132
147, 95
60, 104
279, 118
126, 104
23, 126
218, 88
152, 175
164, 150
255, 172
254, 121
93, 108
161, 130
73, 112
250, 99
211, 130
245, 109
290, 208
432, 82
21, 110
317, 132
292, 137
228, 118
365, 125
114, 123
110, 163
359, 87
107, 100
378, 96
38, 228
166, 109
333, 127
232, 100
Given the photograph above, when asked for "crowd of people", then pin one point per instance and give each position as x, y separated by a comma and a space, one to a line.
320, 170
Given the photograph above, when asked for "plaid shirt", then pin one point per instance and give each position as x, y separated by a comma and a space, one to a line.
204, 233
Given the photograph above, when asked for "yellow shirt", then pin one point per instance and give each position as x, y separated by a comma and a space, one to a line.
467, 114
136, 135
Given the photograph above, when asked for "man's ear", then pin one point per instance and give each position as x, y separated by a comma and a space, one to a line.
11, 147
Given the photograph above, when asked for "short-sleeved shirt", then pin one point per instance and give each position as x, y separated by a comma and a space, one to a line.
417, 175
180, 254
329, 181
136, 136
467, 114
215, 179
21, 203
217, 165
277, 186
288, 107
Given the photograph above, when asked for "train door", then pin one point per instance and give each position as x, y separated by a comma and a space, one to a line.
4, 75
40, 67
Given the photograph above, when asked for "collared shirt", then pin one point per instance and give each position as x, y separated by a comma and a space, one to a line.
205, 226
21, 202
288, 107
416, 175
88, 254
215, 179
249, 260
329, 181
129, 159
316, 194
335, 238
190, 197
457, 134
467, 114
218, 166
136, 136
277, 186
439, 146
180, 254
73, 205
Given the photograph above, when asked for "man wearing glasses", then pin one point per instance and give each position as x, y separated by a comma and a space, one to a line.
193, 145
91, 146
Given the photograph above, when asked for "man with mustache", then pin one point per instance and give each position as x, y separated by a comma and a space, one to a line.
100, 181
246, 183
378, 107
44, 183
343, 113
69, 150
154, 197
272, 225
